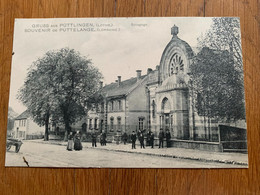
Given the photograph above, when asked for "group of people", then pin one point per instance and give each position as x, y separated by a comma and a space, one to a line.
150, 138
140, 136
74, 141
103, 139
162, 136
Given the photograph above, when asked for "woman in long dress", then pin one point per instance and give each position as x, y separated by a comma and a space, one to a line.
70, 142
77, 141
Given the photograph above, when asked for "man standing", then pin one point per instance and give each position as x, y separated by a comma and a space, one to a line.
133, 139
161, 136
124, 137
141, 139
94, 139
148, 139
151, 139
168, 138
103, 140
138, 134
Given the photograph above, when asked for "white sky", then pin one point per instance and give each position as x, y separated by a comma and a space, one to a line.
114, 53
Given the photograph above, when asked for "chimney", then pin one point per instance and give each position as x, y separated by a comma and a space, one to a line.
119, 80
101, 84
138, 74
149, 70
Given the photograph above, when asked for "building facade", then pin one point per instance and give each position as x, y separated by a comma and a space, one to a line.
160, 99
171, 99
26, 128
124, 108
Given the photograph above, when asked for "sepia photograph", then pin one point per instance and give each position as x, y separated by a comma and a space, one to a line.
158, 92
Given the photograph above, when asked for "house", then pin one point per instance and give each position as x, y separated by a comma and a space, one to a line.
26, 128
124, 107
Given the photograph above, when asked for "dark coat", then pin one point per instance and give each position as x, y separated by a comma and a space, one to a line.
152, 137
141, 138
124, 136
139, 133
77, 136
93, 136
148, 135
103, 136
133, 137
168, 136
77, 142
161, 135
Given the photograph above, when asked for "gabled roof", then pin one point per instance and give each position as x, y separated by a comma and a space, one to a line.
124, 88
24, 115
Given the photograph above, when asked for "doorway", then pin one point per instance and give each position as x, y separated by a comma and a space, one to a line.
166, 121
166, 109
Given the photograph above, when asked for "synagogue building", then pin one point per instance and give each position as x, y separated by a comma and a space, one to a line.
160, 98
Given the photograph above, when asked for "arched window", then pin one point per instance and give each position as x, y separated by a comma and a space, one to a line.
119, 123
111, 123
141, 123
95, 123
166, 107
90, 123
84, 127
112, 105
176, 64
119, 105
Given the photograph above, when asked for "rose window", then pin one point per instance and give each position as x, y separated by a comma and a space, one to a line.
176, 64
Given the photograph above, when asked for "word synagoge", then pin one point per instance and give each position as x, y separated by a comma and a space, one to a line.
159, 99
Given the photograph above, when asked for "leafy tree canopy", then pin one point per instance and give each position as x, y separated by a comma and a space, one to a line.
224, 34
217, 85
60, 85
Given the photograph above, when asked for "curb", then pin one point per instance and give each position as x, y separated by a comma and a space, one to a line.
177, 157
151, 154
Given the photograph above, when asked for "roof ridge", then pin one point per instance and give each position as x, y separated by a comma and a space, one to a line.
113, 89
24, 114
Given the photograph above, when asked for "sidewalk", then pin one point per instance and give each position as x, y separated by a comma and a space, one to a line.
181, 153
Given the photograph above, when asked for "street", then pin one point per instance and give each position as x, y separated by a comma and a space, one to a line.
49, 155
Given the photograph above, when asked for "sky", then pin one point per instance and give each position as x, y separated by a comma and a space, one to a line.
117, 46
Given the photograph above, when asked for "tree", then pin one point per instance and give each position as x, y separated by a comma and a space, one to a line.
217, 85
60, 86
11, 116
36, 93
224, 34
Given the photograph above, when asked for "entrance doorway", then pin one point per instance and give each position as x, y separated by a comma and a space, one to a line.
166, 121
166, 109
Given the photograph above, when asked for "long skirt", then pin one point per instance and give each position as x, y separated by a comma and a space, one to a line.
70, 145
77, 145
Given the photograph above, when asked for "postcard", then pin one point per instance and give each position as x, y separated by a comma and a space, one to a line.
161, 92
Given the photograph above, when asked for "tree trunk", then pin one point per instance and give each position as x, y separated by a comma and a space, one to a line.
204, 117
205, 127
46, 134
209, 128
67, 129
